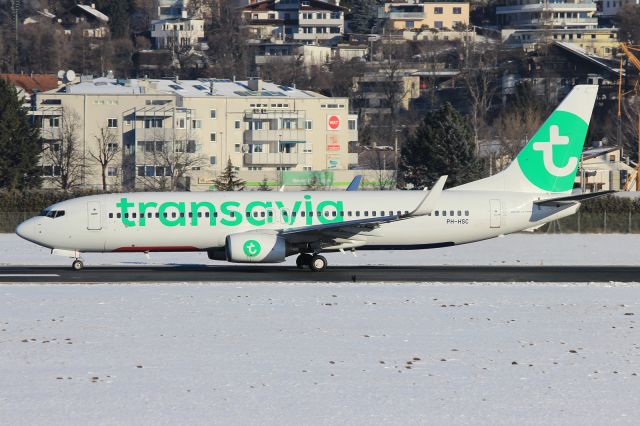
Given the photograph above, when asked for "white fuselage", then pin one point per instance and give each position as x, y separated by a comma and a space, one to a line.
201, 221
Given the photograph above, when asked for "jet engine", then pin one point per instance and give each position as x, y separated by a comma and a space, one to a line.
256, 247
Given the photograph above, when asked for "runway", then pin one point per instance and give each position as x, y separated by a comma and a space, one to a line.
267, 273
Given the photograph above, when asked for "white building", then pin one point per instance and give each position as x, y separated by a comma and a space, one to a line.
177, 33
547, 14
266, 130
609, 8
307, 21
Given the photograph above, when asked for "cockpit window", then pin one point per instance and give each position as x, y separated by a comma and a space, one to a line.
52, 213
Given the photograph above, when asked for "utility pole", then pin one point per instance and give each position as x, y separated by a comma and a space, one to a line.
15, 5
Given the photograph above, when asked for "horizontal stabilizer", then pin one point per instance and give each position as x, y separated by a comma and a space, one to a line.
570, 199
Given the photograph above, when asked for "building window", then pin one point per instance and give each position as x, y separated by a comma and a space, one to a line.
196, 124
212, 137
152, 123
181, 123
237, 124
213, 160
457, 11
54, 121
308, 125
352, 124
438, 24
112, 123
112, 171
236, 147
409, 24
112, 147
212, 113
438, 10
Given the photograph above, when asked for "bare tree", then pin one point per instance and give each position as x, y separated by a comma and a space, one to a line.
63, 151
168, 163
514, 128
106, 151
381, 163
481, 78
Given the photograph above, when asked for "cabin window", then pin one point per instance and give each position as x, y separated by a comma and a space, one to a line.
133, 215
206, 214
310, 214
302, 214
466, 212
181, 214
110, 215
437, 213
366, 212
119, 215
342, 214
459, 213
173, 215
350, 213
451, 213
157, 215
262, 214
126, 215
149, 215
358, 213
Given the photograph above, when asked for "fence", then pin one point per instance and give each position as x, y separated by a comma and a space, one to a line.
596, 223
9, 220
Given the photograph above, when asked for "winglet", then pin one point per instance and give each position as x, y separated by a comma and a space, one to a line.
355, 183
428, 203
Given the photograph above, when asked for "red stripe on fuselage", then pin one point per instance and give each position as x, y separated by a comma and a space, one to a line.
168, 248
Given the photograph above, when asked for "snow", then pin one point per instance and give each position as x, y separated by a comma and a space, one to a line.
325, 354
515, 249
239, 354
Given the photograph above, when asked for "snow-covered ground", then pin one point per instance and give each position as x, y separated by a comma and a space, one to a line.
277, 354
515, 249
326, 354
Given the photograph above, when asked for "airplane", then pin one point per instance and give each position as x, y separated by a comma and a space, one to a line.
268, 227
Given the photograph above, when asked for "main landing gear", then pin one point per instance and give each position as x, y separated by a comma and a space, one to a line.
315, 262
77, 265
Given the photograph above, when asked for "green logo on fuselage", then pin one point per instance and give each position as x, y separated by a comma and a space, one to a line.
550, 160
230, 213
251, 248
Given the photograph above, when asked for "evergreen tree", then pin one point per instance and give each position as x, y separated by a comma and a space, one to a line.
228, 180
19, 143
264, 185
362, 15
441, 145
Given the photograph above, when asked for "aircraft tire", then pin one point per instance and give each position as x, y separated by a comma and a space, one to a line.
318, 263
304, 259
77, 265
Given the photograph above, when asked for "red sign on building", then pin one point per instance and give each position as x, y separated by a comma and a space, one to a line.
333, 122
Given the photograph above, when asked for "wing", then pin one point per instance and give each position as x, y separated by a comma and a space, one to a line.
340, 235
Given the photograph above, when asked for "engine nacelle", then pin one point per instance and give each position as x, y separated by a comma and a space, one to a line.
256, 247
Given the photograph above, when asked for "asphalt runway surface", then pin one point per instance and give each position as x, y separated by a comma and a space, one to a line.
268, 273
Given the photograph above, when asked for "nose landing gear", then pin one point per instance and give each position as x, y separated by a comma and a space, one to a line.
77, 265
315, 262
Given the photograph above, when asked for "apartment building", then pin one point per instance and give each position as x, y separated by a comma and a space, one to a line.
158, 126
306, 21
610, 8
178, 25
527, 23
417, 14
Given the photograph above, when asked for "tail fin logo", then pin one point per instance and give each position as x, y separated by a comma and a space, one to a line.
550, 159
547, 153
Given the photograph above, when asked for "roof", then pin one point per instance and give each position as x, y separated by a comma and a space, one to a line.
187, 88
590, 153
94, 12
580, 52
33, 82
270, 5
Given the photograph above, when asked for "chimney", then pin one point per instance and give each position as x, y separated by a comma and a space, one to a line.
255, 84
176, 79
211, 88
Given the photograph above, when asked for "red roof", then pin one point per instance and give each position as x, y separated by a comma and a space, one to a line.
31, 82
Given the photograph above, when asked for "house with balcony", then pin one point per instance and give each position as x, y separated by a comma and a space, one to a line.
305, 21
527, 23
177, 25
423, 14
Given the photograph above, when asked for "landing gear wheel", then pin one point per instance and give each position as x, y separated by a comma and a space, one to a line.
303, 260
77, 265
318, 263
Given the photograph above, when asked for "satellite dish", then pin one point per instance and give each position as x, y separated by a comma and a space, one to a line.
60, 74
69, 76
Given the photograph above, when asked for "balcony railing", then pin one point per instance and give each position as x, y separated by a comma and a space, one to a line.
549, 7
273, 159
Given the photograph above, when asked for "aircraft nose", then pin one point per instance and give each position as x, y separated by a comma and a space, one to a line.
28, 230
